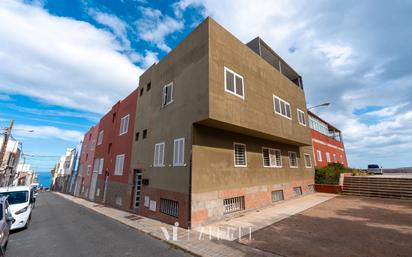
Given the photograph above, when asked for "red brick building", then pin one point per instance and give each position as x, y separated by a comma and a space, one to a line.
113, 180
327, 142
86, 160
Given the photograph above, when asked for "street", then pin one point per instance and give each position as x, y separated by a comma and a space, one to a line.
62, 228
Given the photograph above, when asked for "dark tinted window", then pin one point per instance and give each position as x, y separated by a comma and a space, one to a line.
16, 197
373, 166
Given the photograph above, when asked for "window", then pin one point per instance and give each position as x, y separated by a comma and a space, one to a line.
271, 157
158, 159
100, 138
141, 91
136, 136
308, 161
169, 207
233, 204
281, 107
179, 152
334, 158
89, 169
293, 160
311, 188
124, 124
327, 157
240, 155
144, 133
101, 163
297, 191
277, 196
318, 125
167, 94
301, 118
148, 86
96, 165
118, 170
234, 83
319, 154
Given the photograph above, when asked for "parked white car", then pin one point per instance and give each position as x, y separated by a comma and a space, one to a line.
21, 201
374, 169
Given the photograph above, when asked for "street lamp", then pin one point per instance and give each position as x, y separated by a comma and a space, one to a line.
319, 105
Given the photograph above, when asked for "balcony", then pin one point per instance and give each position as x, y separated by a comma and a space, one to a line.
264, 51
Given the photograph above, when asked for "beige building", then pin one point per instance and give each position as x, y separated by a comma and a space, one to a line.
220, 129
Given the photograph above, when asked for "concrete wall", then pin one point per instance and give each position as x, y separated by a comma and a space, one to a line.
187, 67
255, 113
214, 176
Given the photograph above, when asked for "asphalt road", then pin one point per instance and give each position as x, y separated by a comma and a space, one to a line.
62, 228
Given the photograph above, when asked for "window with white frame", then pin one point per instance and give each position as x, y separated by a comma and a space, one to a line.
179, 152
334, 158
159, 152
124, 124
100, 138
101, 162
281, 107
118, 170
293, 160
271, 157
234, 83
327, 157
240, 155
308, 161
319, 154
167, 94
301, 118
96, 165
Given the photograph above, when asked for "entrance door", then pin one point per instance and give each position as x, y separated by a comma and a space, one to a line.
93, 186
137, 189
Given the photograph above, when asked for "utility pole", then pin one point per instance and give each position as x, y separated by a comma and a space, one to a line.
7, 133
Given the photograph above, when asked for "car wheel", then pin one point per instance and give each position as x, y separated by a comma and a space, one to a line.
27, 223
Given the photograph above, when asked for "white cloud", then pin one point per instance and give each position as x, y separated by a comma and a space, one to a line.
60, 60
47, 132
387, 111
118, 26
339, 57
154, 27
344, 57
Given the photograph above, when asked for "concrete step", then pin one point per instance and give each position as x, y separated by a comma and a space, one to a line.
378, 181
398, 187
385, 191
379, 195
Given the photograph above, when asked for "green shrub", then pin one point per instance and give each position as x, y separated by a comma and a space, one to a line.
329, 174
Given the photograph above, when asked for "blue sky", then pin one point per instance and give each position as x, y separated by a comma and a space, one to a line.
66, 62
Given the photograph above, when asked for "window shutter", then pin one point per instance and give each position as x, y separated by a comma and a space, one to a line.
266, 159
230, 81
239, 86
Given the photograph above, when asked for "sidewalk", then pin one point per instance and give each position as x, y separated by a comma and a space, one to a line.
255, 220
209, 241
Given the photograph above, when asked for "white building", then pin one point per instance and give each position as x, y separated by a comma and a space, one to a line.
8, 166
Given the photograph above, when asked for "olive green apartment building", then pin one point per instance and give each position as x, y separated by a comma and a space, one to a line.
220, 129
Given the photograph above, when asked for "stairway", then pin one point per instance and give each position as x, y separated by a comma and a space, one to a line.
385, 187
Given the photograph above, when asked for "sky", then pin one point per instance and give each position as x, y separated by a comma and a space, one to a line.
64, 63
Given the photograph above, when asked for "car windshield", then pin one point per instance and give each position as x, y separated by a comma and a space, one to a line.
373, 166
16, 197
